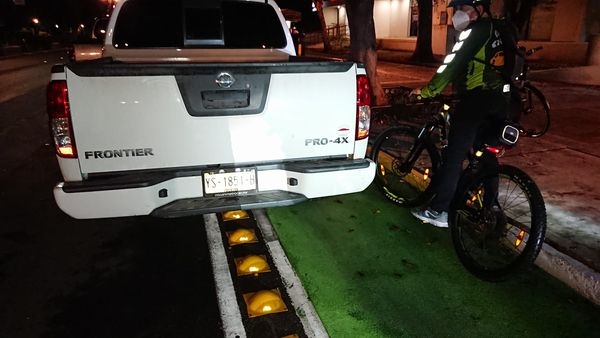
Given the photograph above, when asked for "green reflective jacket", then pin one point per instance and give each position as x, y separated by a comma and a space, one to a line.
467, 66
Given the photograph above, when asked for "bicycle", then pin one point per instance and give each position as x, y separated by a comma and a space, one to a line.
533, 107
497, 217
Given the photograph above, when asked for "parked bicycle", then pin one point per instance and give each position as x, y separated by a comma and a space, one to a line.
497, 218
534, 107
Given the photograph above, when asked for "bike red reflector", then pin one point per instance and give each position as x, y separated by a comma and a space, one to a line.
493, 149
59, 114
520, 238
363, 107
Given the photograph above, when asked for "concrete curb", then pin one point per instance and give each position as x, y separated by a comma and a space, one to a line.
576, 275
305, 310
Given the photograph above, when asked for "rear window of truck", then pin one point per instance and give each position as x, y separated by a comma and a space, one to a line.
197, 24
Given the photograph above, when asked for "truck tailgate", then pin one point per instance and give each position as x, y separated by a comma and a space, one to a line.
137, 117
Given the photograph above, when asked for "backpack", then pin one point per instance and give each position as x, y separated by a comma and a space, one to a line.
514, 56
511, 64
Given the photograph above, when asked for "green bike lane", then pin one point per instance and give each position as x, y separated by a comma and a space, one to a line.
372, 270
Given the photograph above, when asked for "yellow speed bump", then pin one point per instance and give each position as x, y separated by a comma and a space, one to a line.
253, 264
241, 236
235, 215
264, 302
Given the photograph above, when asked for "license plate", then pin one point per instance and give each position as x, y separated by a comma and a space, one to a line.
230, 181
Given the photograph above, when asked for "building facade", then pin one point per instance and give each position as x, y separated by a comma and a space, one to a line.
566, 29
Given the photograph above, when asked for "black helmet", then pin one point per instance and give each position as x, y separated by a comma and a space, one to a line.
484, 3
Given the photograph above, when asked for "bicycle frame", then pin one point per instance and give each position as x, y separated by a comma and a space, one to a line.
497, 217
438, 121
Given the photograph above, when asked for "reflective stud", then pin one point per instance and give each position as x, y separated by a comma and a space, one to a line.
264, 302
241, 236
235, 215
252, 264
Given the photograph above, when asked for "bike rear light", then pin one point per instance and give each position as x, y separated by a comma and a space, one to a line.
59, 114
363, 107
493, 150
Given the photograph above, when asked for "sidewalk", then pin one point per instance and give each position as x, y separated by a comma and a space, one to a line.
563, 163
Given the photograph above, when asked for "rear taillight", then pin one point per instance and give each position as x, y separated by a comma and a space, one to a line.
59, 113
363, 107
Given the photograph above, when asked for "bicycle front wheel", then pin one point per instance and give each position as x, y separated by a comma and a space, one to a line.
535, 112
405, 166
498, 240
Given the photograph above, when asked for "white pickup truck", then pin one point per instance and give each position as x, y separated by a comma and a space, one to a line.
202, 106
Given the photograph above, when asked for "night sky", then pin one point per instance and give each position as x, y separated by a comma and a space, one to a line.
70, 13
73, 12
65, 13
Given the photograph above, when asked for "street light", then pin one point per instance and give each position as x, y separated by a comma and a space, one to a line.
110, 5
36, 26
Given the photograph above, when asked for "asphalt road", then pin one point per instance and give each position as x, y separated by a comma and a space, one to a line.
60, 277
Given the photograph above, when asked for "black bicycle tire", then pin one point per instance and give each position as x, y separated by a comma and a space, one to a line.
536, 234
432, 154
546, 108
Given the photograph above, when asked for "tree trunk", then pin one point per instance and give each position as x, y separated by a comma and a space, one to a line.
363, 45
519, 12
326, 41
423, 51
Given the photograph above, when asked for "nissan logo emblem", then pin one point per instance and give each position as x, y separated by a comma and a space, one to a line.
225, 80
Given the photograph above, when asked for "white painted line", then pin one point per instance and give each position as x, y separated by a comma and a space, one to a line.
313, 327
231, 318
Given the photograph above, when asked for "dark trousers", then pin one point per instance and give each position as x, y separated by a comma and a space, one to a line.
476, 120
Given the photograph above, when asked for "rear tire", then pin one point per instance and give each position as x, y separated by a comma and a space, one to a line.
535, 112
493, 243
402, 183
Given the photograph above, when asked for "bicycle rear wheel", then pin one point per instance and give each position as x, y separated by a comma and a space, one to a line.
494, 242
535, 112
402, 179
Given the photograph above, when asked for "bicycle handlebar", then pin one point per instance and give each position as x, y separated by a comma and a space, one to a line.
531, 51
439, 99
401, 96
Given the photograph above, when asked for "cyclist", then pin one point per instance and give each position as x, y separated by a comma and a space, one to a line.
483, 95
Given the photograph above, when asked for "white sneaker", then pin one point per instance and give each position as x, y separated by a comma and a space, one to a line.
435, 218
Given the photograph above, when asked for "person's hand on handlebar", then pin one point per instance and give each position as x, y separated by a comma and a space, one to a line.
415, 95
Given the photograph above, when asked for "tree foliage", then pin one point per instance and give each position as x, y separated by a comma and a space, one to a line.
519, 11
